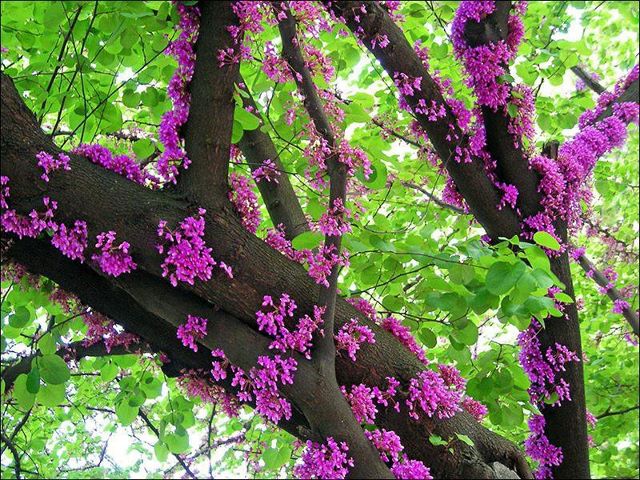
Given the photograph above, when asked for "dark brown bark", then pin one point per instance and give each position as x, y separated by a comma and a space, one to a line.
399, 56
612, 293
208, 142
109, 202
279, 198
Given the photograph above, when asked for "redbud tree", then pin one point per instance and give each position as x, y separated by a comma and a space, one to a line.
319, 239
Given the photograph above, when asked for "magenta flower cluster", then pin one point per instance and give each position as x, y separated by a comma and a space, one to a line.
538, 447
388, 444
189, 333
25, 226
49, 163
351, 336
70, 241
121, 164
101, 329
245, 201
187, 255
334, 222
273, 322
182, 49
195, 383
430, 392
325, 461
113, 260
261, 383
268, 172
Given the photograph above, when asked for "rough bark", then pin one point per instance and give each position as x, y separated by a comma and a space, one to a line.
109, 202
279, 198
612, 293
208, 142
399, 56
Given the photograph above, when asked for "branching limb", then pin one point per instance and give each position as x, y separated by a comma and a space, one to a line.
370, 20
512, 165
156, 432
588, 80
14, 453
207, 133
280, 199
325, 347
613, 293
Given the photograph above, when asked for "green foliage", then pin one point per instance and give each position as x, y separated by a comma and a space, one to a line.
464, 301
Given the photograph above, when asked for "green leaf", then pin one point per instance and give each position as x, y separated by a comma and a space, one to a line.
53, 369
427, 337
502, 276
23, 397
126, 413
436, 440
51, 395
247, 120
308, 240
143, 148
161, 451
236, 132
563, 297
20, 318
545, 239
47, 344
33, 380
177, 443
108, 372
465, 439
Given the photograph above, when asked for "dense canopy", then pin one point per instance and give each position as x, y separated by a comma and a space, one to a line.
319, 239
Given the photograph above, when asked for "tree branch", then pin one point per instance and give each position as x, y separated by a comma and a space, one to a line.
14, 452
291, 51
281, 201
512, 165
469, 178
207, 133
588, 80
609, 413
153, 428
134, 211
613, 293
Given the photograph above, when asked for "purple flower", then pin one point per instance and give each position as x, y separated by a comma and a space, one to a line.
195, 329
327, 461
113, 260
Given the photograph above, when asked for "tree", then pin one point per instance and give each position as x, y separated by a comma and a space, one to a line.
140, 287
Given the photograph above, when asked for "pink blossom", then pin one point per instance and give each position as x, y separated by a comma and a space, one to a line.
351, 336
410, 469
475, 408
71, 241
49, 163
245, 201
267, 171
195, 329
187, 256
113, 260
429, 392
387, 442
326, 461
361, 400
619, 306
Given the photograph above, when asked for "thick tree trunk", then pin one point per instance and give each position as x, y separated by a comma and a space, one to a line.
106, 201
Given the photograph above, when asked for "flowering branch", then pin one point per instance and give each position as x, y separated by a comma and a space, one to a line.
325, 347
368, 20
281, 201
588, 79
612, 292
207, 133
